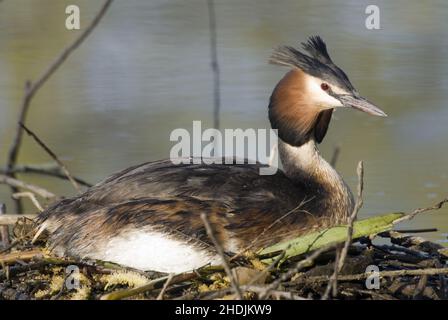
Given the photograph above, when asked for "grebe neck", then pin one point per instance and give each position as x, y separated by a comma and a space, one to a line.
305, 165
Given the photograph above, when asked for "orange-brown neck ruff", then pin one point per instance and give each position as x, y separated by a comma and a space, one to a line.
295, 111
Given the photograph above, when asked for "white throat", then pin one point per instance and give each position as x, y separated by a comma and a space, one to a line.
305, 161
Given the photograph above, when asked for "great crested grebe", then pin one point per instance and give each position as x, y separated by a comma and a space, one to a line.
148, 216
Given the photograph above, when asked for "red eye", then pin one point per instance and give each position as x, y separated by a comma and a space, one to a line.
324, 86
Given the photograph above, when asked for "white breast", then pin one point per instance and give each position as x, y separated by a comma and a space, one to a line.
150, 250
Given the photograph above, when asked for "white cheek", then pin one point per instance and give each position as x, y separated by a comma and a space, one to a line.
320, 97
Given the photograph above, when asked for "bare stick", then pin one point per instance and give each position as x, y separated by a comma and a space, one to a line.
420, 287
21, 255
53, 156
165, 286
10, 219
214, 62
4, 231
382, 274
31, 196
333, 283
335, 156
221, 253
20, 184
358, 205
32, 88
339, 263
411, 215
417, 230
57, 173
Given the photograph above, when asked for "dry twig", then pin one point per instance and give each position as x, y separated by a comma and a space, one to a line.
31, 196
214, 62
382, 274
411, 215
417, 230
21, 255
24, 185
221, 253
10, 219
51, 172
4, 231
335, 156
53, 156
32, 88
165, 286
339, 263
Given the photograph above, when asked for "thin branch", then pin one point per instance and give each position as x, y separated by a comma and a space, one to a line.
165, 286
333, 283
32, 88
339, 263
412, 215
417, 230
214, 62
4, 231
31, 196
420, 287
21, 255
382, 274
53, 156
24, 185
221, 253
358, 205
56, 172
335, 156
11, 219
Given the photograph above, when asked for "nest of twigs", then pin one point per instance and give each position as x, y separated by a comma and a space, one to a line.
409, 268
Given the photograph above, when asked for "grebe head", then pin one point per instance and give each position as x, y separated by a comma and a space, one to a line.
302, 103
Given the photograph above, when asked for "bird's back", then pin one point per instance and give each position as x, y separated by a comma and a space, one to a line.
160, 198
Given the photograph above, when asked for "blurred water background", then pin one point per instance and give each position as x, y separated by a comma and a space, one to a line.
146, 70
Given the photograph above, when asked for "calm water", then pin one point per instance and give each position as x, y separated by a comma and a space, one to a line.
146, 70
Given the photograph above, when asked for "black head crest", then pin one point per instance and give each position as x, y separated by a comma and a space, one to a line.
318, 63
318, 49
